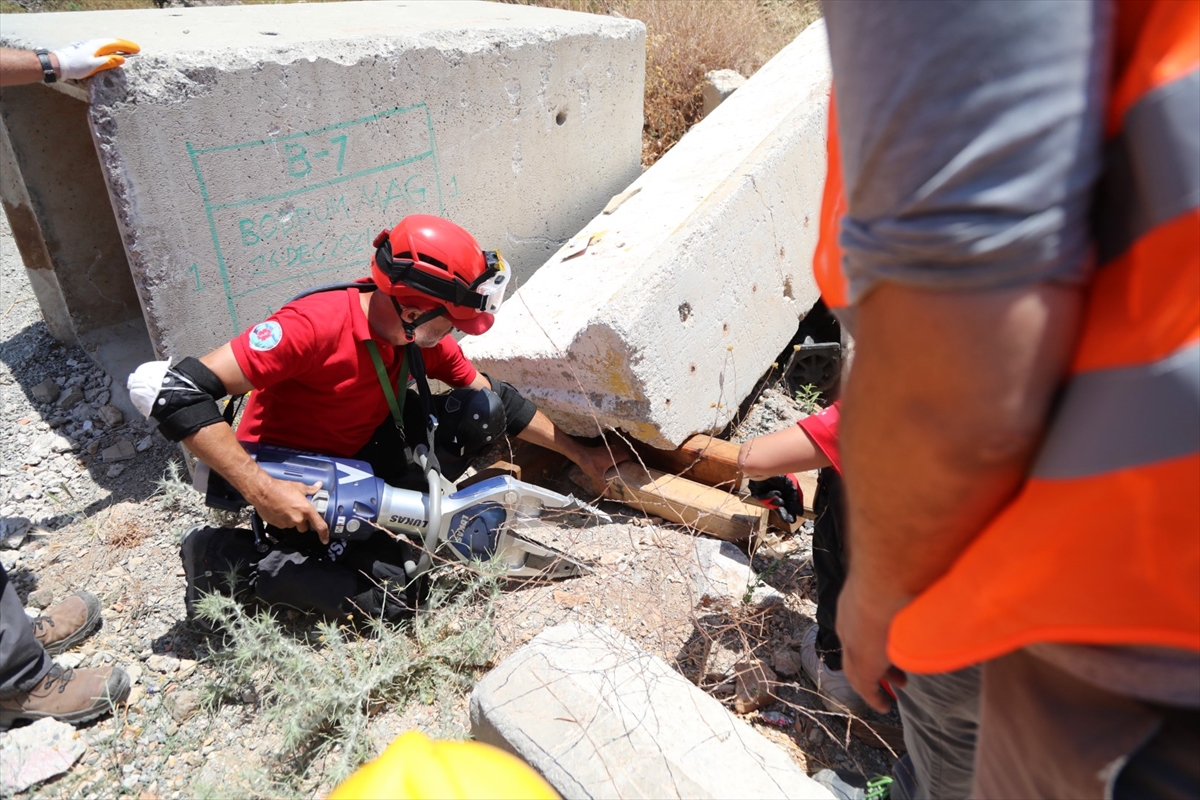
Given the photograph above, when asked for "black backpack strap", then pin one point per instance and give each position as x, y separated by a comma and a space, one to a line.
417, 365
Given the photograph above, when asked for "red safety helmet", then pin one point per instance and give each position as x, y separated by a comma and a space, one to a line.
430, 263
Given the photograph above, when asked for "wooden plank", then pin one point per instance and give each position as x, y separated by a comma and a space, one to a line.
671, 497
701, 458
711, 461
537, 463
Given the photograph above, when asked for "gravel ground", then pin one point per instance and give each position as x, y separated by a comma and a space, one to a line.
84, 505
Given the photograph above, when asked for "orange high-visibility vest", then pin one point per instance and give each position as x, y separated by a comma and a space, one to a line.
827, 258
1102, 543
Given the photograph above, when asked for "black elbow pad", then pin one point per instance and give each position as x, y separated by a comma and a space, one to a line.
187, 400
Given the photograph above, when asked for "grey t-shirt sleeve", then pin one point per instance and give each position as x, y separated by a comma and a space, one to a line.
971, 135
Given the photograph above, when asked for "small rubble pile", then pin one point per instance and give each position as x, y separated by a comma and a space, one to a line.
48, 453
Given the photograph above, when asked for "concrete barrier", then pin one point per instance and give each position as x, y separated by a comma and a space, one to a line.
254, 151
600, 717
661, 316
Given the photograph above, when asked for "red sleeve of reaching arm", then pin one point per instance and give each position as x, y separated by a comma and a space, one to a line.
445, 362
822, 428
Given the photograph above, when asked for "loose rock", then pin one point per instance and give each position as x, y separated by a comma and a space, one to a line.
756, 684
184, 704
45, 392
13, 531
41, 598
71, 398
37, 753
111, 416
121, 451
786, 662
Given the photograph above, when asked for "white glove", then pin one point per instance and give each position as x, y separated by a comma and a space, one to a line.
145, 383
84, 59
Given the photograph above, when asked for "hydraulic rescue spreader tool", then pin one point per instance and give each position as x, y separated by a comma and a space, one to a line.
487, 520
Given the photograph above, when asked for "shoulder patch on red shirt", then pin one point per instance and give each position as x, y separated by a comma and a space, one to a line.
265, 335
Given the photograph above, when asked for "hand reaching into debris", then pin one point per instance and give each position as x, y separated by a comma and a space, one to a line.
597, 461
781, 493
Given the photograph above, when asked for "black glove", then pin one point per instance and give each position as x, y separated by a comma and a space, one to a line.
782, 494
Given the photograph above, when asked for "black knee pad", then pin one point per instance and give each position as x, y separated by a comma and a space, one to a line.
217, 560
288, 577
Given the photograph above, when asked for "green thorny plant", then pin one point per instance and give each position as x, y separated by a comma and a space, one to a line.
760, 579
318, 691
808, 396
173, 489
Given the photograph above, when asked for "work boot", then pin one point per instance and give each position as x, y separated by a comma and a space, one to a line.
832, 685
68, 695
68, 623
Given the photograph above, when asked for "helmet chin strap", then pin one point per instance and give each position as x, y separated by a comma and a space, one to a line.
410, 328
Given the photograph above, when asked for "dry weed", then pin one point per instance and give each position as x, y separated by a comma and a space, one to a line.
123, 526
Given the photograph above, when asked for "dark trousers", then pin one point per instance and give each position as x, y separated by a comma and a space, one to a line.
829, 562
1045, 732
23, 660
360, 578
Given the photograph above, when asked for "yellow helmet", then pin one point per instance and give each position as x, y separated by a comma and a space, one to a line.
415, 767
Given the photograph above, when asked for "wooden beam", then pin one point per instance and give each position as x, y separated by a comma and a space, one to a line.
711, 461
701, 458
687, 502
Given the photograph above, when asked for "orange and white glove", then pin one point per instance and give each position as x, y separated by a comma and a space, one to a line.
84, 59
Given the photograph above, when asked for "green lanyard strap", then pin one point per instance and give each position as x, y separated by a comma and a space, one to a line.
397, 406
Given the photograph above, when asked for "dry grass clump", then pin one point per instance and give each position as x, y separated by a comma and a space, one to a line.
123, 526
687, 38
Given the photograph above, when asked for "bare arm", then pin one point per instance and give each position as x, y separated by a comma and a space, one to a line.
594, 461
942, 414
788, 450
22, 66
541, 430
284, 504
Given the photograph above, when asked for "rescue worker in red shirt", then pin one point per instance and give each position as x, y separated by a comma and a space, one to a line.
769, 461
329, 373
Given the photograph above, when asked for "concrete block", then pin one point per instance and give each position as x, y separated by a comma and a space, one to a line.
251, 152
718, 85
721, 577
660, 317
600, 717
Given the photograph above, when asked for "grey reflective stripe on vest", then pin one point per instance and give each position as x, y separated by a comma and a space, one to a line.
1114, 419
1152, 172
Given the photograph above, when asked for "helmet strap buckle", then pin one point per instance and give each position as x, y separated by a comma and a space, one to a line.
410, 328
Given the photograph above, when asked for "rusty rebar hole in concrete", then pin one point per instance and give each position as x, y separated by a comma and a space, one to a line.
685, 311
560, 118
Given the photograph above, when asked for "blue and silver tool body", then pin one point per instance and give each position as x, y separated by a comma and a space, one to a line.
476, 523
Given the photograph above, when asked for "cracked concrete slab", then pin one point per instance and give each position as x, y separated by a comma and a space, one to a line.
661, 316
600, 717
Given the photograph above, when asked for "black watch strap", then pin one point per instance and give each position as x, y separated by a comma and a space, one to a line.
48, 73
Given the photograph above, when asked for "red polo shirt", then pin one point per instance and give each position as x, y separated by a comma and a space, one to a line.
315, 385
822, 428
